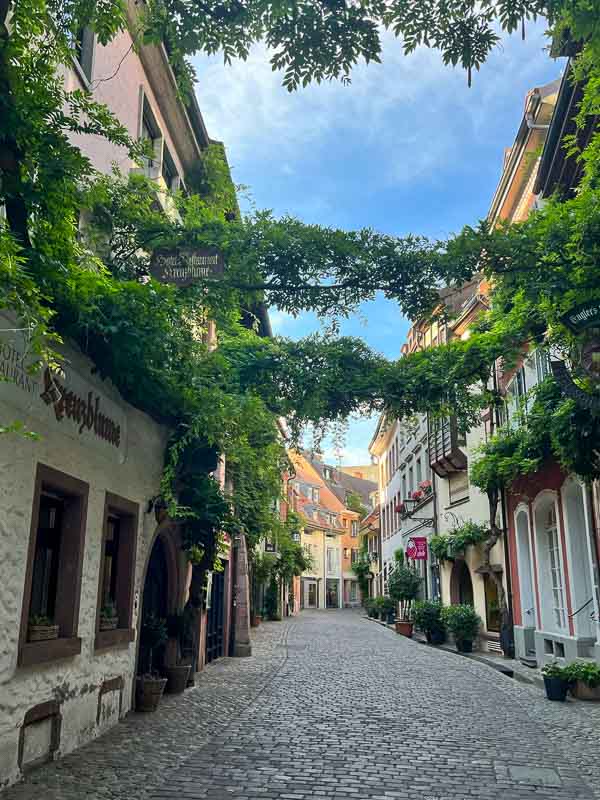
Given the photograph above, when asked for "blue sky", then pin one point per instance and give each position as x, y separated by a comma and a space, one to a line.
407, 147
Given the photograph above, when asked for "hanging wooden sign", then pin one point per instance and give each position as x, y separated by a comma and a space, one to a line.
186, 265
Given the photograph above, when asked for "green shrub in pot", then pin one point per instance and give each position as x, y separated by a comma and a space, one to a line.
427, 617
584, 679
463, 622
556, 681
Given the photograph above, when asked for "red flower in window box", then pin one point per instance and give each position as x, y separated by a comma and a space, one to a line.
425, 487
417, 494
400, 508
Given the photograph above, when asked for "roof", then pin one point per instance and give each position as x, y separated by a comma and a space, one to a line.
514, 194
372, 521
557, 171
328, 501
341, 483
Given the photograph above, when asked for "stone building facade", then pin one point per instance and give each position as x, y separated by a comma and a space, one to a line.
80, 535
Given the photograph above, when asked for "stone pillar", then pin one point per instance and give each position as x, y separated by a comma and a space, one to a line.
241, 645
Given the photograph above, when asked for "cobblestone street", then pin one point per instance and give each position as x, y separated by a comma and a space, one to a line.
335, 706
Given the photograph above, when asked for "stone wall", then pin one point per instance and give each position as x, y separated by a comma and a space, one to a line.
86, 693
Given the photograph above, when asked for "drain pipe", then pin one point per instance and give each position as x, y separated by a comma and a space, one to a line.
507, 561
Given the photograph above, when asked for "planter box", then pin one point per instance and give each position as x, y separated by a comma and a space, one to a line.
582, 691
148, 692
41, 633
177, 678
404, 628
108, 623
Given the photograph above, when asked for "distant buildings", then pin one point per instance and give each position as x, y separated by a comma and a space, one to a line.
330, 534
547, 560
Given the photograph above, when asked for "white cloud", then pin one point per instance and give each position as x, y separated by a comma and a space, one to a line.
392, 109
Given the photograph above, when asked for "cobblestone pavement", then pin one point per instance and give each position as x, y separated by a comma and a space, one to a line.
335, 707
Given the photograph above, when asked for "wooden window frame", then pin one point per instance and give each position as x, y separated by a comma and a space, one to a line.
71, 562
128, 513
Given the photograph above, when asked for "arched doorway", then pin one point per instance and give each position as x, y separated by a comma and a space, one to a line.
159, 598
461, 585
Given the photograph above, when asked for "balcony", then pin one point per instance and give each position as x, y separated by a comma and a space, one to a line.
444, 442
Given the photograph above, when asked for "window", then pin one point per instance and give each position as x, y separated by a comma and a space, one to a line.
83, 47
404, 495
117, 569
553, 545
332, 560
411, 480
327, 473
315, 495
419, 470
150, 132
169, 172
353, 591
458, 486
542, 365
354, 529
346, 553
308, 549
53, 574
354, 555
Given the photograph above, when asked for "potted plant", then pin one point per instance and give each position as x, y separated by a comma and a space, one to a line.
426, 487
417, 495
41, 628
150, 687
370, 607
584, 680
428, 618
463, 623
556, 681
388, 610
403, 587
377, 607
109, 618
177, 674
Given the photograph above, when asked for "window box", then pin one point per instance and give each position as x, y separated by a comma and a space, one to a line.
41, 633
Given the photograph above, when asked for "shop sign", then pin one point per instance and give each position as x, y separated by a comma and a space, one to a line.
417, 548
66, 400
584, 322
186, 266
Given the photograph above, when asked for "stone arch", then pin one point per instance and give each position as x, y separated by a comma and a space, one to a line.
461, 584
163, 555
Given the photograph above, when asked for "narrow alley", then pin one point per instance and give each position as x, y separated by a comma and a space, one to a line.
332, 705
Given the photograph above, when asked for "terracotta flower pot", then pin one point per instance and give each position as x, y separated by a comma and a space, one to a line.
177, 678
582, 691
148, 692
41, 633
404, 628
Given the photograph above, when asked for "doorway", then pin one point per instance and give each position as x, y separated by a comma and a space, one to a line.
332, 593
461, 585
215, 625
310, 594
155, 603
